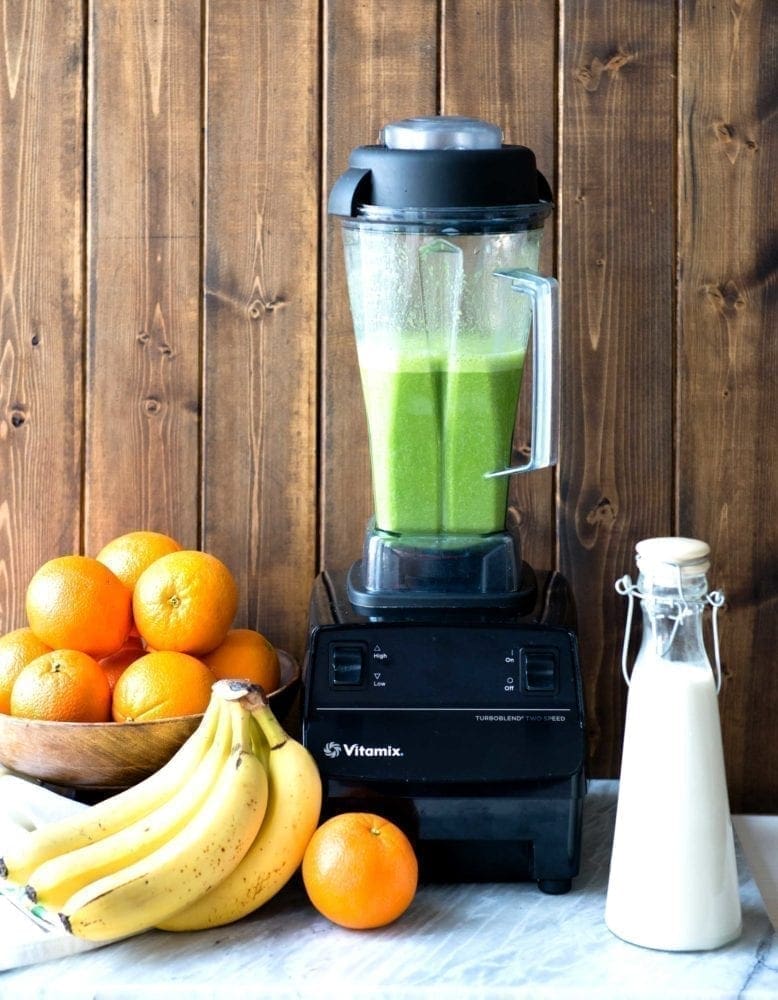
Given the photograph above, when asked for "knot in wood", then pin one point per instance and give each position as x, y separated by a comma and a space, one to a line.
258, 307
725, 131
590, 76
731, 141
602, 513
726, 298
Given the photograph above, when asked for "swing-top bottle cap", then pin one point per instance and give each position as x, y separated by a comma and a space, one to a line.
663, 558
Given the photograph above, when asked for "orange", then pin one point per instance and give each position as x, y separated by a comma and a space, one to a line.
248, 655
115, 664
128, 555
17, 649
75, 602
185, 601
64, 685
360, 870
162, 685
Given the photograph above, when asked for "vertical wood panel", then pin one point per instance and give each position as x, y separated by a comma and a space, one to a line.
41, 256
187, 399
616, 274
380, 66
728, 359
259, 497
500, 65
144, 248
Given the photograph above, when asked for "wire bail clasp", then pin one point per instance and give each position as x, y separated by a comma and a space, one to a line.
626, 588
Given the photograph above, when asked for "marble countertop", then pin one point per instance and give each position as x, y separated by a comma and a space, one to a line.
496, 942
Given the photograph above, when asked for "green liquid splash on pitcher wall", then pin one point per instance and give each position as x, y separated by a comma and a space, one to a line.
436, 426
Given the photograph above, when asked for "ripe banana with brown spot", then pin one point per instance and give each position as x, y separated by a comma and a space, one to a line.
57, 879
21, 857
198, 857
292, 816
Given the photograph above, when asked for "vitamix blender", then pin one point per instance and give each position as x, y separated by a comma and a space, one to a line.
442, 685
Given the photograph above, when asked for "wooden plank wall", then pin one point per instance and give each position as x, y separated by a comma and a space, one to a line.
175, 344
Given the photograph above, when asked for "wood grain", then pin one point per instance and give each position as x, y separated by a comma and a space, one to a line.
380, 66
176, 348
616, 274
727, 449
144, 204
499, 64
41, 291
261, 287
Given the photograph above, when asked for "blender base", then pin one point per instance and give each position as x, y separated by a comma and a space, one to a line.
464, 728
500, 835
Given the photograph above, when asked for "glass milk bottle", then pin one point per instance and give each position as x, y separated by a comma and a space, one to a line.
673, 881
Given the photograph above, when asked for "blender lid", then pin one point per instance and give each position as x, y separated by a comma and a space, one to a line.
440, 163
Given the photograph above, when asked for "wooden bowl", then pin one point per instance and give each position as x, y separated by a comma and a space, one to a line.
110, 754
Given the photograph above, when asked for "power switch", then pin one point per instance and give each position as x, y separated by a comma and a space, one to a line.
539, 671
347, 664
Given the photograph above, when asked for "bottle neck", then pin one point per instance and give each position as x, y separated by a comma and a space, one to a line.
672, 616
672, 604
672, 630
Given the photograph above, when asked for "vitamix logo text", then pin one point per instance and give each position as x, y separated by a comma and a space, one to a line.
360, 750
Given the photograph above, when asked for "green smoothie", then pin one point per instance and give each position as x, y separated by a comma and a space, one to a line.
402, 398
436, 426
479, 412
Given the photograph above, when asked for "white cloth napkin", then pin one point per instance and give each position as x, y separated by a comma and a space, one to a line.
25, 805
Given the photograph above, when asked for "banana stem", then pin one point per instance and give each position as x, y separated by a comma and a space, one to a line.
272, 729
241, 727
256, 702
233, 690
258, 742
253, 699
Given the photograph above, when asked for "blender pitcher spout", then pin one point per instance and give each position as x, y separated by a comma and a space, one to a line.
543, 294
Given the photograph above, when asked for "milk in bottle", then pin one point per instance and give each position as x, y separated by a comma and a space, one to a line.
673, 880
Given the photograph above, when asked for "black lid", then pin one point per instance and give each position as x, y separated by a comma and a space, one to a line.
439, 163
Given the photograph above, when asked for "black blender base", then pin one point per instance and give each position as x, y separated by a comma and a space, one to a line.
484, 861
513, 835
463, 727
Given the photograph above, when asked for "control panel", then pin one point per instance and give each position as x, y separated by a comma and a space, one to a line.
425, 665
444, 702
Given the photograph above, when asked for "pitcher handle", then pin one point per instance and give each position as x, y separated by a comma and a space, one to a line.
544, 301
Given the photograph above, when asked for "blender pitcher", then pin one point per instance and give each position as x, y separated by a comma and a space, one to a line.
441, 230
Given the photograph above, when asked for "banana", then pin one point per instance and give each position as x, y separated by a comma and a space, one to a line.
199, 856
276, 854
22, 856
55, 881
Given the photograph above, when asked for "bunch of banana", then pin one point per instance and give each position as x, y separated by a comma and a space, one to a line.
19, 858
290, 821
205, 840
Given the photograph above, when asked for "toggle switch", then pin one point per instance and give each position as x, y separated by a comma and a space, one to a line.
539, 671
347, 664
